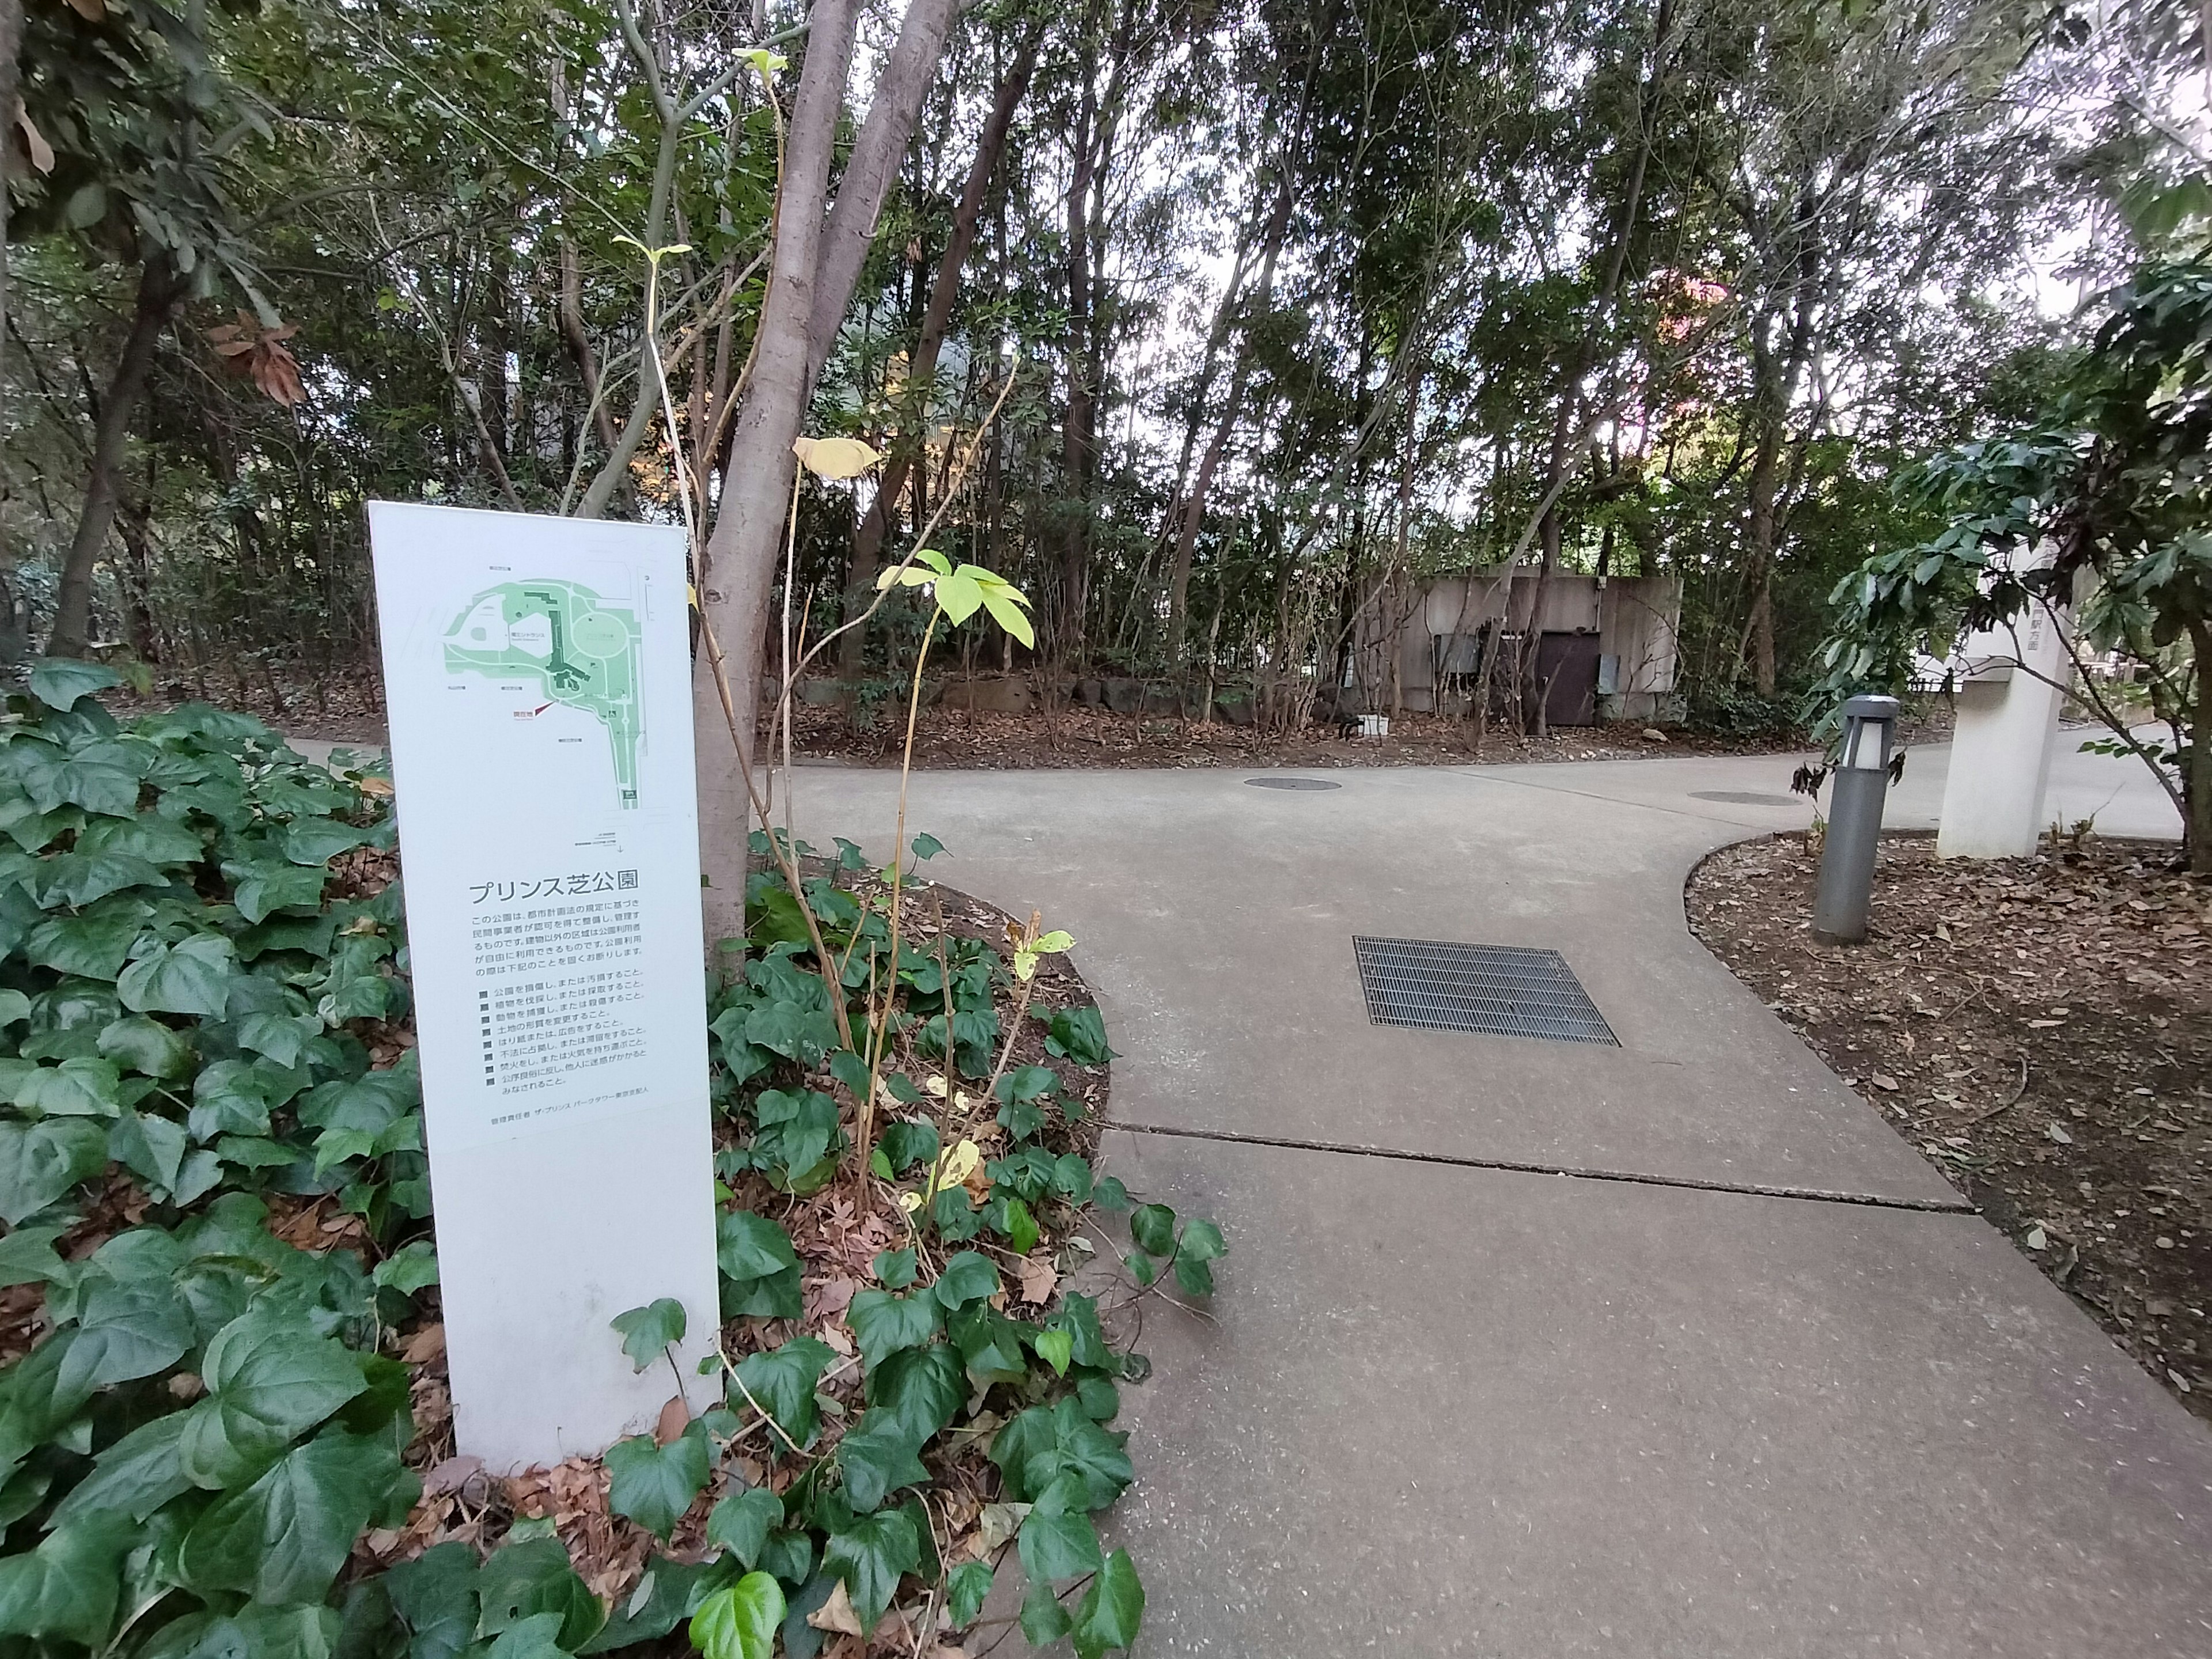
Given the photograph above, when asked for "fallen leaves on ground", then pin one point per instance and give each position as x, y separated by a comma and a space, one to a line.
2041, 1030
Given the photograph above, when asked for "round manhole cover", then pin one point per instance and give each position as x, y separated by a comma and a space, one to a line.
1292, 783
1743, 797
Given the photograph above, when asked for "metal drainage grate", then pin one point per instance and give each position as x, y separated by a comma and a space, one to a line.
1292, 783
1502, 990
1744, 798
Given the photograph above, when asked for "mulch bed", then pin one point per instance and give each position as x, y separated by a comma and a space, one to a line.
2041, 1030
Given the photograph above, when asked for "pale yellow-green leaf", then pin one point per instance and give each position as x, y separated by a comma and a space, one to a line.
835, 458
1012, 618
1055, 942
958, 595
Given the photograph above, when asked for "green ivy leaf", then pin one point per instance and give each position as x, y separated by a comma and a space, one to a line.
990, 1343
191, 977
69, 1585
1113, 1607
1044, 1621
435, 1596
740, 1622
269, 1377
1078, 1035
782, 1380
654, 1485
51, 777
1153, 1227
648, 1331
41, 1161
923, 1388
1044, 1444
146, 1045
1054, 1348
741, 1523
523, 1580
1021, 1228
871, 1556
280, 1037
969, 1276
316, 841
1110, 1194
78, 878
926, 845
965, 1592
411, 1267
75, 1088
28, 1257
536, 1637
749, 1246
883, 1323
93, 945
893, 1269
906, 1144
126, 1329
1057, 1546
262, 890
135, 1476
282, 1540
878, 1458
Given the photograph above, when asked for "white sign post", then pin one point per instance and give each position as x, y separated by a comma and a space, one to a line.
537, 678
2002, 742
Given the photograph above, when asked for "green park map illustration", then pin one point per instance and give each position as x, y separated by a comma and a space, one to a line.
583, 651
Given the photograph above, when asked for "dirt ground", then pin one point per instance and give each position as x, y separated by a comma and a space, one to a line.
953, 738
2041, 1030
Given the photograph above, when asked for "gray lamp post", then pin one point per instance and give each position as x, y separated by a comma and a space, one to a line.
1861, 780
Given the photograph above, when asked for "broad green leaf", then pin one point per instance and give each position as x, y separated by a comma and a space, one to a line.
883, 1323
316, 841
969, 1276
1058, 1545
878, 1458
40, 1163
93, 945
1021, 1226
1153, 1227
267, 887
1011, 617
126, 1329
536, 1637
191, 977
869, 1556
28, 1257
411, 1267
648, 1331
282, 1540
520, 1581
654, 1485
740, 1622
922, 1387
965, 1591
1113, 1608
14, 1006
1054, 1348
75, 1088
1079, 1035
51, 778
990, 1343
925, 847
667, 1594
69, 1585
1044, 1444
906, 1144
148, 835
59, 682
893, 1269
146, 1045
135, 1476
280, 1037
435, 1596
741, 1523
1044, 1621
782, 1381
269, 1379
78, 878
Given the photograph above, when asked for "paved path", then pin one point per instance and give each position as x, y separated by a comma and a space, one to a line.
1671, 1350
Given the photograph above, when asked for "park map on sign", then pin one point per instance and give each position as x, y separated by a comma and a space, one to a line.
582, 650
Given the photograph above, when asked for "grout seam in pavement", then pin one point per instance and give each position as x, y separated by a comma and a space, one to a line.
1513, 1166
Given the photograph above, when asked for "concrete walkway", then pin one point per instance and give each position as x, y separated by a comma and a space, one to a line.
1541, 1349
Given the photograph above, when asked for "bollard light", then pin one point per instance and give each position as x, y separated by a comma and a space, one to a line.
1855, 803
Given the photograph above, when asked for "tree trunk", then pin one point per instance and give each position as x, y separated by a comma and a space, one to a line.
868, 543
73, 599
1076, 432
737, 565
2196, 780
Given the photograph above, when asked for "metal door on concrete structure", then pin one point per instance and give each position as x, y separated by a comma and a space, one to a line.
1566, 667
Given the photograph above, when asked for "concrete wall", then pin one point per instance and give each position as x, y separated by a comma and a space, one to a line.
1411, 627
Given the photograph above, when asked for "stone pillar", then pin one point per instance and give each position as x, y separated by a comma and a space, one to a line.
2008, 727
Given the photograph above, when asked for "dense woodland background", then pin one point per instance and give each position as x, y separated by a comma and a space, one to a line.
1295, 297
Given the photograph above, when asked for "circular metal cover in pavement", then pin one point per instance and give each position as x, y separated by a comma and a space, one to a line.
1292, 783
1743, 797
